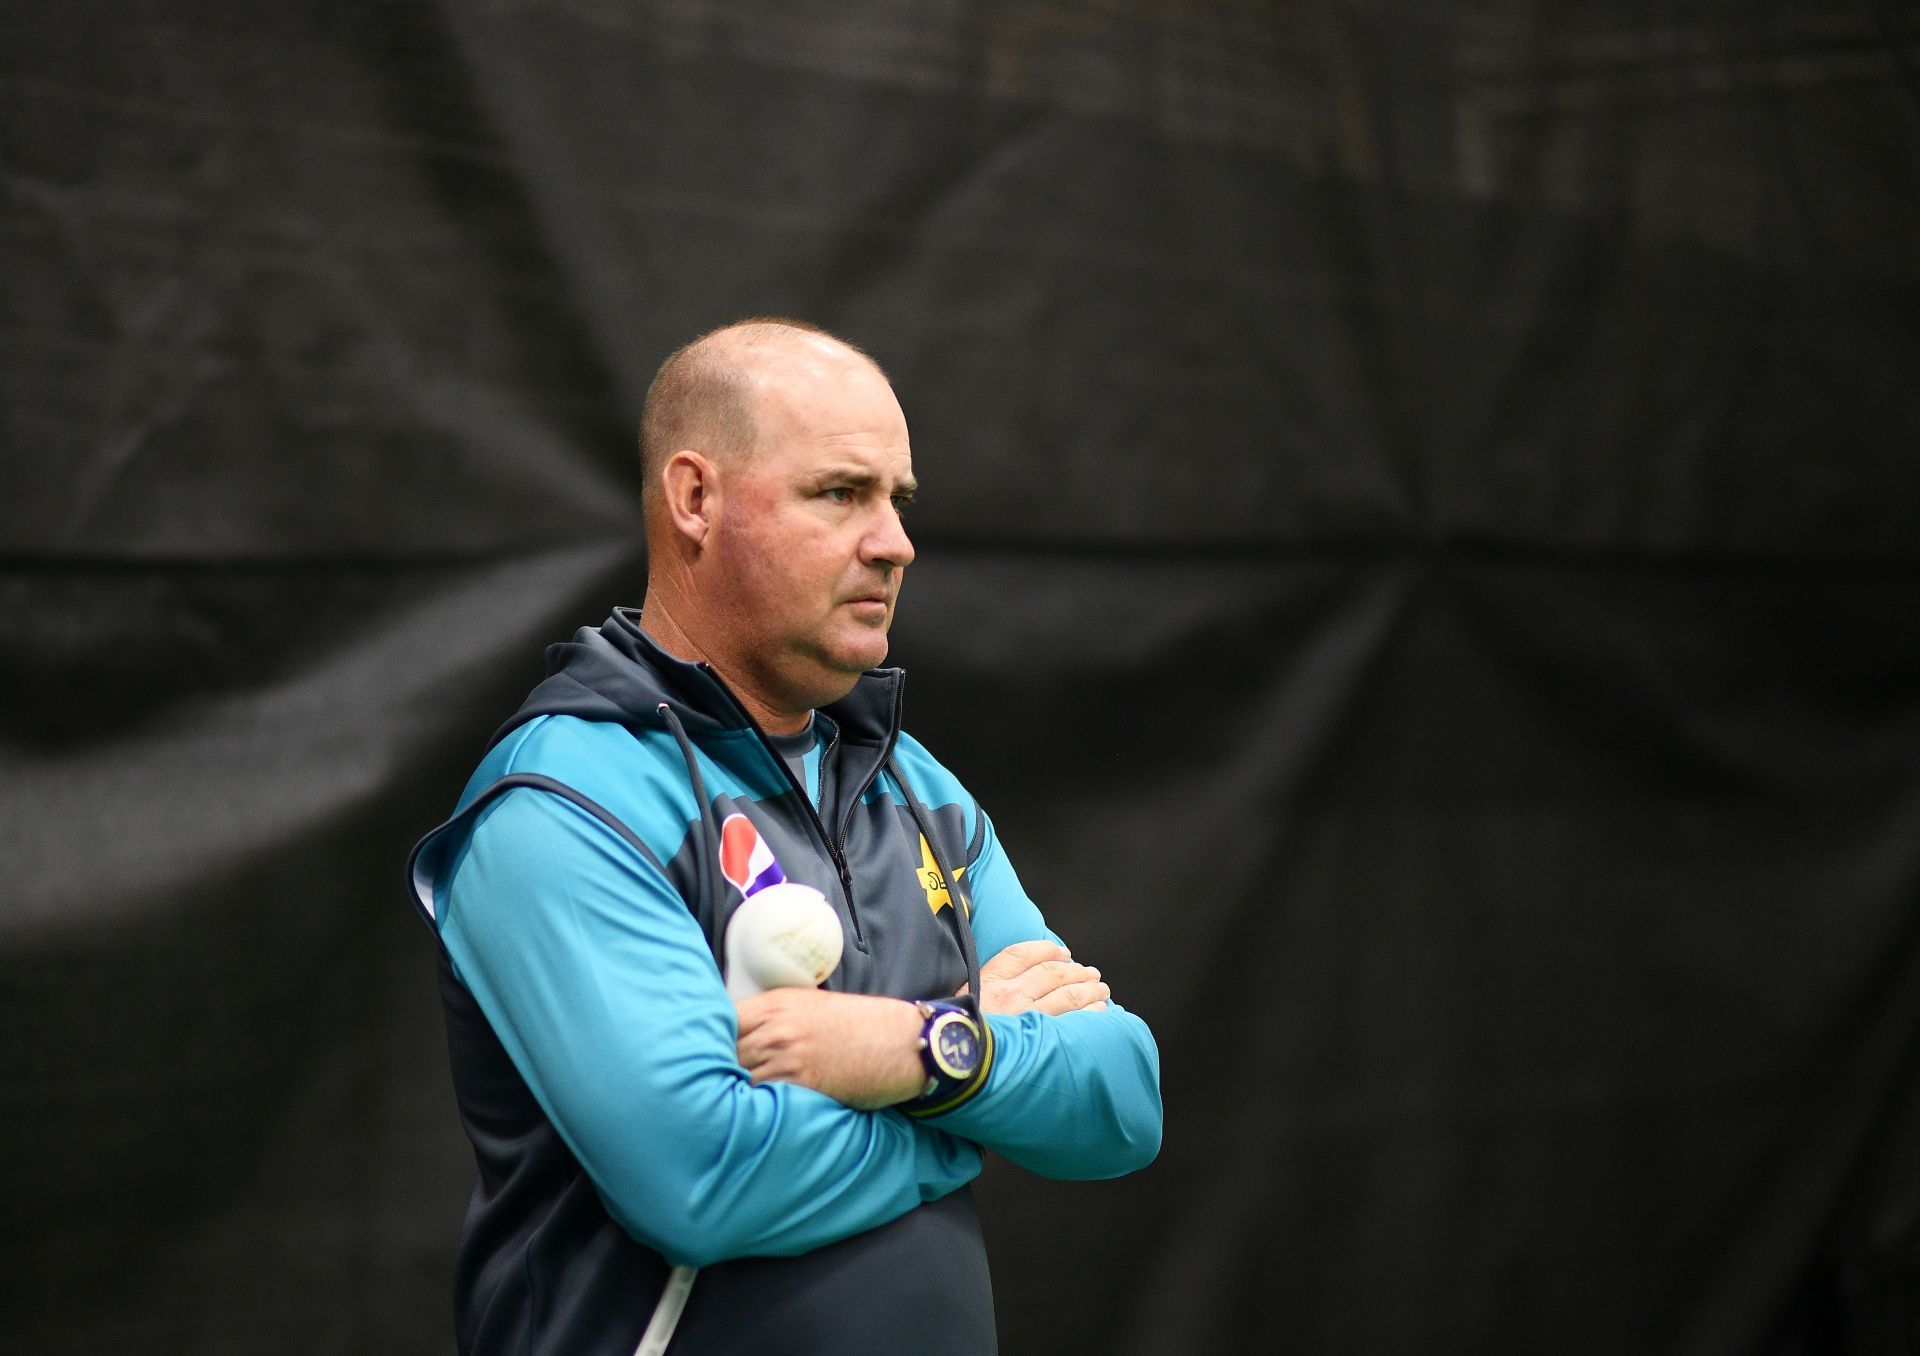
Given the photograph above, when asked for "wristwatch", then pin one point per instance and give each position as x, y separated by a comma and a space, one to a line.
951, 1047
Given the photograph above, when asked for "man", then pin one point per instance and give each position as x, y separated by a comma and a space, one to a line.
808, 1149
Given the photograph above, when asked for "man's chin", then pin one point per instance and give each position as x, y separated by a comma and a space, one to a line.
854, 655
856, 662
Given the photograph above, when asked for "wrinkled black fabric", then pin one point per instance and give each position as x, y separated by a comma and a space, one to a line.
1417, 556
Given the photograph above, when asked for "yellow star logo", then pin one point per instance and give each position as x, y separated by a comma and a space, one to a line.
931, 881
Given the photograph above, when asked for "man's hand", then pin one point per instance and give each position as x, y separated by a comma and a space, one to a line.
1039, 977
861, 1050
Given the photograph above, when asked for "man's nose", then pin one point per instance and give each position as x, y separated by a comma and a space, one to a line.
887, 543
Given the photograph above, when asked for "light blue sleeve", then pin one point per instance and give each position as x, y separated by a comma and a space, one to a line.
1075, 1096
600, 985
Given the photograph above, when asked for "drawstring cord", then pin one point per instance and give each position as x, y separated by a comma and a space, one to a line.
709, 833
962, 920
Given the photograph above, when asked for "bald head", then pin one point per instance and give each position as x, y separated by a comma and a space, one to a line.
708, 396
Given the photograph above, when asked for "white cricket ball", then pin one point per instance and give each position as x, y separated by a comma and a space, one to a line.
785, 935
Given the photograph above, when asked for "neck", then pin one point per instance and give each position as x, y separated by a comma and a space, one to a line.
660, 619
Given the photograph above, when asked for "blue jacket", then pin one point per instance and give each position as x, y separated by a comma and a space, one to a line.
578, 901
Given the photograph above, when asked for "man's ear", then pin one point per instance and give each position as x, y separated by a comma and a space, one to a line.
690, 491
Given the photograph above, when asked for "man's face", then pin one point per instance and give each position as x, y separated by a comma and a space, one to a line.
808, 550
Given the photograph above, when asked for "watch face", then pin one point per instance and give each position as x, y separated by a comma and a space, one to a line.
955, 1045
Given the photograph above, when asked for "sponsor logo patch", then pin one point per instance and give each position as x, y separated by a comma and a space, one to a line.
745, 859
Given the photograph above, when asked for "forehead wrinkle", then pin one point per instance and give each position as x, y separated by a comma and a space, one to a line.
861, 440
863, 475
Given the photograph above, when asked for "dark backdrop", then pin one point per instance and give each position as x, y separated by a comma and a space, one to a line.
1418, 557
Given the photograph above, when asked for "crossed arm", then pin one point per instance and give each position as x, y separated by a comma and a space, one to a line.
863, 1051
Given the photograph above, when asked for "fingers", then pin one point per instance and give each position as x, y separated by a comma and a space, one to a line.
763, 1044
1040, 980
1089, 993
754, 1010
1023, 956
1054, 985
774, 1028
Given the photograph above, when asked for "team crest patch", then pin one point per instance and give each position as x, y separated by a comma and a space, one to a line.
933, 883
745, 859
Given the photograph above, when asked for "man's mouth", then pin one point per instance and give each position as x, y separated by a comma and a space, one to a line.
871, 607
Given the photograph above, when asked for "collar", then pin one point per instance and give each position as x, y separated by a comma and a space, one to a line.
617, 672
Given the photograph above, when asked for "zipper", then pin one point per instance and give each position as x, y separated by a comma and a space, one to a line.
893, 726
839, 847
837, 850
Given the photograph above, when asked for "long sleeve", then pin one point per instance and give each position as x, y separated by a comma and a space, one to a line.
601, 987
1075, 1096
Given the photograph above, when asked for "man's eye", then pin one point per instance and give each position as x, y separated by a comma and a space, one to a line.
901, 503
839, 494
